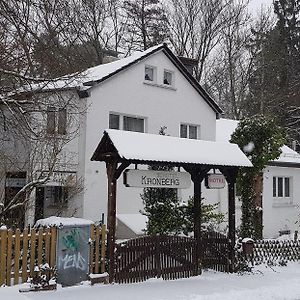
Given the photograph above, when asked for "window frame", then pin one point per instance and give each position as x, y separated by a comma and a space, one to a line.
172, 78
188, 125
280, 193
57, 195
56, 120
154, 73
122, 121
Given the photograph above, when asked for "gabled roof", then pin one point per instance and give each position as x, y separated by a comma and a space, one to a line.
149, 148
95, 75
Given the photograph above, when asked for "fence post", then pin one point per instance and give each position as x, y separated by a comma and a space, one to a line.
103, 248
32, 251
97, 249
3, 240
53, 247
17, 256
8, 258
25, 255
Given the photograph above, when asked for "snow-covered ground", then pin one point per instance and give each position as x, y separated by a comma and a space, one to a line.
265, 283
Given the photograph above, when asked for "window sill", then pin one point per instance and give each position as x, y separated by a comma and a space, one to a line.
284, 204
164, 86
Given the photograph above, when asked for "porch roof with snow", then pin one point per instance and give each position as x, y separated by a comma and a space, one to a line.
147, 148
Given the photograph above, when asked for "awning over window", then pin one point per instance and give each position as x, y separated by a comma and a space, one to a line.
146, 148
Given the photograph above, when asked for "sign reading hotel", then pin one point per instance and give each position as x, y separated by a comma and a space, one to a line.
156, 179
215, 181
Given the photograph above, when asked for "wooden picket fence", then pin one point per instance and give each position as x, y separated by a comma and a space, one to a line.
20, 252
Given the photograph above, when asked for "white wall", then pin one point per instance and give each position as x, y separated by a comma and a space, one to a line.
276, 216
126, 93
280, 216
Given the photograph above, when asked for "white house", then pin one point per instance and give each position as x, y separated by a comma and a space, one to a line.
140, 93
281, 189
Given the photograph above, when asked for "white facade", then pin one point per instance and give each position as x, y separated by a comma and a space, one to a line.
280, 209
128, 94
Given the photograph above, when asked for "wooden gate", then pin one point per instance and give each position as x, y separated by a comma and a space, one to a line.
169, 257
215, 249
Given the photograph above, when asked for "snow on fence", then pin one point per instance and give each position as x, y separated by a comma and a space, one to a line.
274, 251
20, 252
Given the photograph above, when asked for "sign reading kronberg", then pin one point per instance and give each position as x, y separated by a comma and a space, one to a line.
157, 179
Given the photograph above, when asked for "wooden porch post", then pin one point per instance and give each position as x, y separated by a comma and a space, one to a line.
111, 167
113, 173
231, 175
197, 176
197, 205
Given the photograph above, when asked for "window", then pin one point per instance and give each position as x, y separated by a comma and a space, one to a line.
149, 73
51, 122
56, 120
56, 195
62, 121
128, 123
168, 77
133, 124
281, 187
189, 131
114, 121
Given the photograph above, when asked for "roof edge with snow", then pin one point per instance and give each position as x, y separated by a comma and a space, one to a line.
144, 148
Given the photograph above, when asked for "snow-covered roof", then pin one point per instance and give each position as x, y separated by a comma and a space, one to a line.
159, 148
288, 156
85, 80
60, 222
101, 71
225, 128
136, 222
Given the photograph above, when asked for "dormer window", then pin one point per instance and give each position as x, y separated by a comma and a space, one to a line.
149, 73
168, 77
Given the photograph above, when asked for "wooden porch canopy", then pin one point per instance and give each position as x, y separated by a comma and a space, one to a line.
118, 149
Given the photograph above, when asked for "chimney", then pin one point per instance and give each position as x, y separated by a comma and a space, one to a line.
294, 145
189, 63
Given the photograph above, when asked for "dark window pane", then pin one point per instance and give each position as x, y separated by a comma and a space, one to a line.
59, 194
167, 78
280, 187
149, 73
183, 131
274, 186
51, 120
133, 124
62, 121
193, 132
114, 121
287, 187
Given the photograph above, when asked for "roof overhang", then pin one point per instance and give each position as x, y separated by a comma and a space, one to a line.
143, 148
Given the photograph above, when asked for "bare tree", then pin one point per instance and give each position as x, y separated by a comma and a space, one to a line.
195, 27
233, 66
38, 134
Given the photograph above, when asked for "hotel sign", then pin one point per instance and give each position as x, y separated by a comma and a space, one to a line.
157, 179
215, 181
